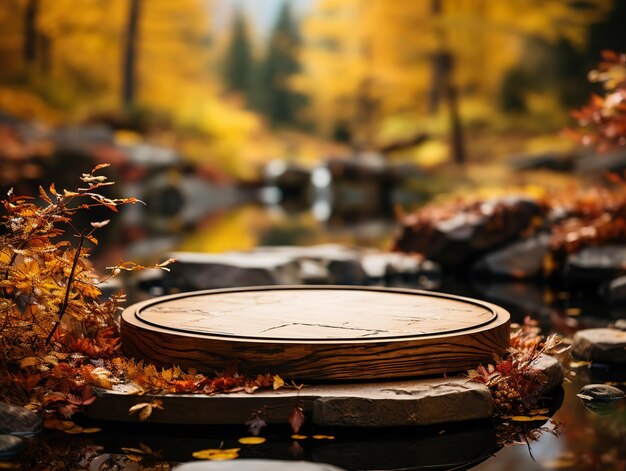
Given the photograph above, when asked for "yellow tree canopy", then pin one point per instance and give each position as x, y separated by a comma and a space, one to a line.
381, 52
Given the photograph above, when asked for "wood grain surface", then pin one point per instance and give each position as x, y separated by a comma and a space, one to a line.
317, 332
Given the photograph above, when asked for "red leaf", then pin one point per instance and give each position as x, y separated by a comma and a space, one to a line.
296, 419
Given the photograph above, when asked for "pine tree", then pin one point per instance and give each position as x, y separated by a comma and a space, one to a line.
278, 101
239, 64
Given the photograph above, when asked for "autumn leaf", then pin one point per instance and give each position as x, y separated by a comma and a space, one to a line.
525, 418
216, 454
29, 361
296, 419
255, 424
145, 408
278, 382
251, 440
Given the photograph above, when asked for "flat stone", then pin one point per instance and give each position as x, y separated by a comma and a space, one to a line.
521, 259
595, 265
615, 290
417, 402
620, 324
342, 263
552, 369
601, 392
600, 346
11, 445
391, 405
196, 271
16, 420
379, 265
256, 465
379, 404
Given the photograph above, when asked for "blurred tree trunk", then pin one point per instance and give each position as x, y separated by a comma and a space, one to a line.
129, 70
443, 87
30, 32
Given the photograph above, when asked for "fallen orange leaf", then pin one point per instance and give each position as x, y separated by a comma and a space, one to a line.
251, 440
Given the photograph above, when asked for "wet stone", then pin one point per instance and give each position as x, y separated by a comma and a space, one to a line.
464, 236
522, 259
601, 392
197, 271
380, 404
615, 291
595, 265
620, 324
11, 445
600, 346
553, 371
257, 465
18, 420
425, 403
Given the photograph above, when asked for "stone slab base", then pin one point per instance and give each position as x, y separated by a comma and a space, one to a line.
375, 404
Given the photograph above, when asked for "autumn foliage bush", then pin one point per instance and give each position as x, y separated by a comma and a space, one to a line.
58, 336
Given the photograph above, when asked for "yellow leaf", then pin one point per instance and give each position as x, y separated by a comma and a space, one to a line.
210, 453
525, 418
145, 413
133, 450
137, 407
29, 361
299, 437
539, 411
92, 430
573, 311
251, 440
167, 374
324, 437
578, 364
278, 382
74, 430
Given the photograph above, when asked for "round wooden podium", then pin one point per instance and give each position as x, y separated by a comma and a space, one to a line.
317, 332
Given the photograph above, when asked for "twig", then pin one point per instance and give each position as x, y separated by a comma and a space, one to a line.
67, 290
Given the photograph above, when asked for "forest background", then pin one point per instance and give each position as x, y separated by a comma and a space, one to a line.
469, 80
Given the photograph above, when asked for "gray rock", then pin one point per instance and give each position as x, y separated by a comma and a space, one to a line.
600, 392
196, 271
552, 369
17, 420
11, 445
594, 265
256, 465
342, 263
522, 259
600, 346
384, 264
459, 239
380, 404
420, 403
615, 291
415, 402
620, 324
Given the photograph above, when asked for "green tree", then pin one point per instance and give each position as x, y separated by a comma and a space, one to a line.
239, 63
278, 101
